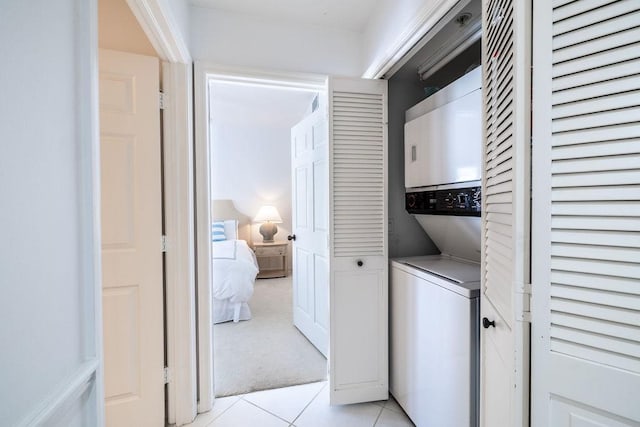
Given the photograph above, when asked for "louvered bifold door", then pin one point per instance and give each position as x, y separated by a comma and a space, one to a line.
586, 214
358, 351
504, 372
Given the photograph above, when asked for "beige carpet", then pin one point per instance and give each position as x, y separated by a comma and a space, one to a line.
267, 351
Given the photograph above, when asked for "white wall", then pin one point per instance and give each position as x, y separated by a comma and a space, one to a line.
118, 29
251, 148
228, 38
180, 12
47, 280
406, 236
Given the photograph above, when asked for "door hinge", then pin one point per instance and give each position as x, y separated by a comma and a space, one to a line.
164, 243
161, 100
523, 302
167, 375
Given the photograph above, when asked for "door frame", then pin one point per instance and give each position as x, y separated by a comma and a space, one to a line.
205, 72
158, 23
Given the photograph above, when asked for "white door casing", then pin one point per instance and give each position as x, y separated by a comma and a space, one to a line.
179, 228
504, 357
203, 74
586, 231
131, 239
310, 208
358, 296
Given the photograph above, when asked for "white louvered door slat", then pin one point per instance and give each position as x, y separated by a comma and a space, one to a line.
505, 231
586, 215
358, 352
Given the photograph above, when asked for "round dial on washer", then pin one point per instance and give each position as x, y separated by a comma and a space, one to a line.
411, 200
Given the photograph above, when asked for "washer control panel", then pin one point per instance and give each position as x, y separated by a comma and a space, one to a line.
459, 201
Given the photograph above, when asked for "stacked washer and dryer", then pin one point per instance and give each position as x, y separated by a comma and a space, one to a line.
434, 299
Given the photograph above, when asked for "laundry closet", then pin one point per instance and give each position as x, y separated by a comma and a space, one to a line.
435, 163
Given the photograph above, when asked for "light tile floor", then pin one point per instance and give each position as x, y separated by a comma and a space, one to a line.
299, 406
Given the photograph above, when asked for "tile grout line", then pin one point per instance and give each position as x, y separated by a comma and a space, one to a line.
265, 410
221, 413
310, 402
378, 417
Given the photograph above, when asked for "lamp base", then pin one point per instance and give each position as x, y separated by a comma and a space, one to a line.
268, 230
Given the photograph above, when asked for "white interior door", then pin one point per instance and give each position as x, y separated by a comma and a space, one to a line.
310, 178
504, 359
586, 240
131, 236
358, 351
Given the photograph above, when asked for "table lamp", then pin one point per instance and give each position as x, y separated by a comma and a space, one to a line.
269, 216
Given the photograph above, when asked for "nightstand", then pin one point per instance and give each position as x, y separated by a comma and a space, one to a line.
272, 259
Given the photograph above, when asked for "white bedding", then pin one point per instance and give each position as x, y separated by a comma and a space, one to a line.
234, 272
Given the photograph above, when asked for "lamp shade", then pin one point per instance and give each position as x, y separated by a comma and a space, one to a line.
268, 213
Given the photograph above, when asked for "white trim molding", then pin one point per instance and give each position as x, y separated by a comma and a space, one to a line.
161, 29
257, 77
61, 402
203, 248
204, 73
89, 111
179, 229
425, 20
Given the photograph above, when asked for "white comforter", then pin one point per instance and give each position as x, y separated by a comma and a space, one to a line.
234, 272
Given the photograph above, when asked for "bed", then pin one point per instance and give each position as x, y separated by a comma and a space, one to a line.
234, 264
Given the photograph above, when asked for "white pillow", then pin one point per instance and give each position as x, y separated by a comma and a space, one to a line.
231, 229
218, 233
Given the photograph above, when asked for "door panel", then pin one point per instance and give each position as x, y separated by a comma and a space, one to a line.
351, 367
321, 300
131, 230
358, 295
497, 356
309, 167
301, 273
586, 279
504, 356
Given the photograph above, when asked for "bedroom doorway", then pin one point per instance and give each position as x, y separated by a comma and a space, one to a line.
256, 345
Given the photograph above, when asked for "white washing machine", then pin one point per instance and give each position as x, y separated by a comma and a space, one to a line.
434, 300
434, 347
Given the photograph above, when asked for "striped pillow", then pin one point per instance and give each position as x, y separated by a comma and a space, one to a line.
217, 231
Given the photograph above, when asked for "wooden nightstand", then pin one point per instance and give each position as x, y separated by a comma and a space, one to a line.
267, 254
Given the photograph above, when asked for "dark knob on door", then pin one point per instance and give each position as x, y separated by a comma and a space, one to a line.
360, 263
486, 323
291, 237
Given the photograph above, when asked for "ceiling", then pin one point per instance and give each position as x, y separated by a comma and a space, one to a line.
343, 14
243, 105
